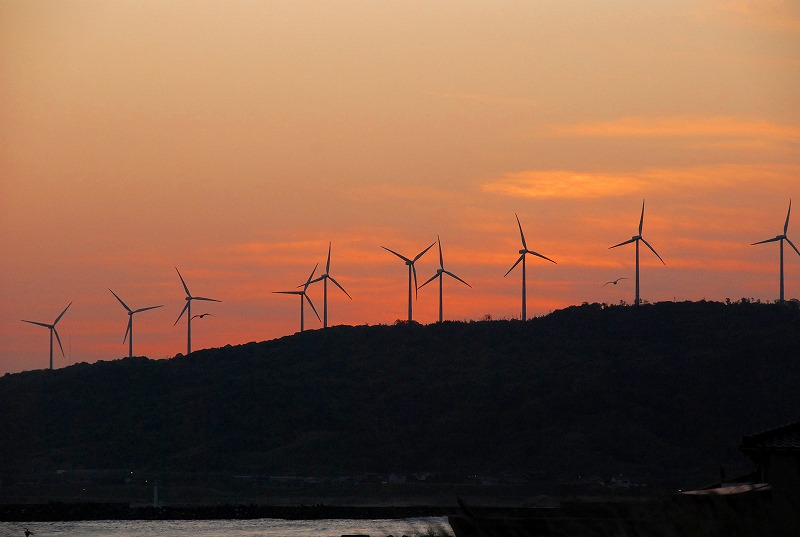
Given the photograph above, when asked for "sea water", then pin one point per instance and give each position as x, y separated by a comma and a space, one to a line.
263, 527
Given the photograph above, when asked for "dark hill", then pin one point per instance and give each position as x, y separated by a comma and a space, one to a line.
662, 393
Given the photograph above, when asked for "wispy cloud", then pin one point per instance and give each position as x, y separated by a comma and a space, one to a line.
562, 184
681, 127
672, 182
772, 15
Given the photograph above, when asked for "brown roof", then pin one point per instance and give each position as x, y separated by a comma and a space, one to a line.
784, 438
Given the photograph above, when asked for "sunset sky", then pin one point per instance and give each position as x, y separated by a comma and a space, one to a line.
235, 139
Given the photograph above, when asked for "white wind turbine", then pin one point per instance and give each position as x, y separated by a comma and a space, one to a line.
129, 330
303, 295
324, 278
636, 239
53, 330
780, 239
440, 272
188, 310
411, 270
522, 253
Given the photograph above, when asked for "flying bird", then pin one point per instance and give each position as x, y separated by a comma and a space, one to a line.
614, 281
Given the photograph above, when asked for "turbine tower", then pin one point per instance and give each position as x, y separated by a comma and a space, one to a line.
411, 270
303, 295
188, 310
129, 330
522, 253
780, 239
636, 239
324, 279
440, 272
53, 330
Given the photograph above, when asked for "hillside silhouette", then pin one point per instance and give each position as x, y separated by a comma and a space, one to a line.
661, 393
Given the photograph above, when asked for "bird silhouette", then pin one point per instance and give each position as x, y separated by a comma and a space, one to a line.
201, 315
614, 281
28, 533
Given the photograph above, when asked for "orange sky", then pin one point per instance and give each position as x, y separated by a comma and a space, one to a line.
234, 140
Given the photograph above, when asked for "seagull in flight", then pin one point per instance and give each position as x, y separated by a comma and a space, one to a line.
201, 315
615, 282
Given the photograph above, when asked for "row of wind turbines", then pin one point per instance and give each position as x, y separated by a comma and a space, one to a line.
413, 287
129, 330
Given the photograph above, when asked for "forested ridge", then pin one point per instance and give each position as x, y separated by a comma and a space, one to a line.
662, 393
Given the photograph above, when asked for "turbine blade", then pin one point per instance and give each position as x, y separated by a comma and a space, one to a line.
456, 277
206, 299
308, 281
124, 305
653, 250
792, 245
328, 264
185, 307
404, 258
514, 265
441, 258
641, 219
289, 292
183, 282
62, 314
540, 255
766, 241
423, 252
147, 308
40, 324
622, 243
312, 306
416, 287
786, 225
315, 280
521, 234
127, 329
340, 287
430, 280
58, 339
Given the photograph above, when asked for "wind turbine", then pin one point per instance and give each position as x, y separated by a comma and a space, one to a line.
780, 239
303, 295
522, 253
636, 239
53, 330
440, 272
324, 278
411, 270
188, 310
129, 330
